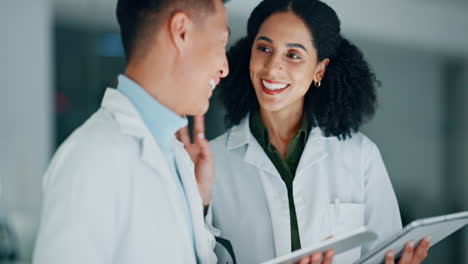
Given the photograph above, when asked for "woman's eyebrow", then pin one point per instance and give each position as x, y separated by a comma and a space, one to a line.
289, 45
296, 45
265, 39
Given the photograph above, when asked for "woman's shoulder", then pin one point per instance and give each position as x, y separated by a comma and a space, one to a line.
234, 137
356, 153
220, 141
358, 142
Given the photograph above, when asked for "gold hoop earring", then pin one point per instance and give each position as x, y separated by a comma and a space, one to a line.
317, 84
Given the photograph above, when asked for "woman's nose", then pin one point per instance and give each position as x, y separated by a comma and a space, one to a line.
274, 63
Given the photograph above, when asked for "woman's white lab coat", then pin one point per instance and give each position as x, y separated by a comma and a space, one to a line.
338, 187
110, 197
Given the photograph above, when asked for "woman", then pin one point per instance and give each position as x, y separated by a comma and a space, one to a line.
293, 169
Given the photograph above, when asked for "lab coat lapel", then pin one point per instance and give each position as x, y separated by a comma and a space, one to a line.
314, 151
256, 156
240, 135
131, 123
151, 155
273, 186
309, 184
274, 189
186, 170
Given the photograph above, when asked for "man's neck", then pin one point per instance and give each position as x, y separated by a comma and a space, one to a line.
156, 81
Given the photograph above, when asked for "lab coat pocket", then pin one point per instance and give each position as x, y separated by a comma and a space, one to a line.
344, 218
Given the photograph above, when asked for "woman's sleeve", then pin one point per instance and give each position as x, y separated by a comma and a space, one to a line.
382, 213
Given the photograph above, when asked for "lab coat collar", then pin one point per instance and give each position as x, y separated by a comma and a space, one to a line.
131, 123
124, 112
314, 151
186, 172
239, 134
161, 121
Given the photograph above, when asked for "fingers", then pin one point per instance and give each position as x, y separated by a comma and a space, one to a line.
390, 257
199, 127
305, 260
328, 259
319, 258
184, 136
407, 255
205, 150
199, 132
421, 251
316, 258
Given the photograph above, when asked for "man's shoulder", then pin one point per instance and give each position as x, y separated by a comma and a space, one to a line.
101, 138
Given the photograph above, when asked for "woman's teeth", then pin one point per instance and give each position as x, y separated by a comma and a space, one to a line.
274, 86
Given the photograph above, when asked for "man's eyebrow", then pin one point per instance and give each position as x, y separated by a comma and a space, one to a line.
265, 39
296, 45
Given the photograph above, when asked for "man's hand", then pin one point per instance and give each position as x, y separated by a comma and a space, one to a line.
201, 156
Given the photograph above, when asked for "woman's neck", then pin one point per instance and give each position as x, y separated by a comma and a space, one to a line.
282, 125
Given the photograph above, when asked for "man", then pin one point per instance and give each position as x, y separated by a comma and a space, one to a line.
122, 189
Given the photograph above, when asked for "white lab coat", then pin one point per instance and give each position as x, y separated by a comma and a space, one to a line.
110, 197
338, 187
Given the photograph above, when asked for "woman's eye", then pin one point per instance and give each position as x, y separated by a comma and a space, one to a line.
263, 49
293, 56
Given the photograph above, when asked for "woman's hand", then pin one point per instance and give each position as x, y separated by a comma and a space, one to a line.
201, 156
411, 255
319, 258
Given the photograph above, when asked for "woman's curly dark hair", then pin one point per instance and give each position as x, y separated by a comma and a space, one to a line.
347, 96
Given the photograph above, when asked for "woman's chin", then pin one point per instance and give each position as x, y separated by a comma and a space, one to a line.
271, 106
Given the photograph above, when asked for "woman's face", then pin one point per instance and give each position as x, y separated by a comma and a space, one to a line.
283, 62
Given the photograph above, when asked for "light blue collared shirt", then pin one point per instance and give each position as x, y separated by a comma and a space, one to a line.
163, 123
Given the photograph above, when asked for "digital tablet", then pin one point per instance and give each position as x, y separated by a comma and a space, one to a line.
340, 244
437, 227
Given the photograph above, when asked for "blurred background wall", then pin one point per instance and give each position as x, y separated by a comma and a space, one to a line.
58, 56
27, 119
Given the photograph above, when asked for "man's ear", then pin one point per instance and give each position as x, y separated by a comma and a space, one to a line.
180, 28
321, 69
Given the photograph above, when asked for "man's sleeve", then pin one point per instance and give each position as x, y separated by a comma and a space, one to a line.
79, 221
223, 248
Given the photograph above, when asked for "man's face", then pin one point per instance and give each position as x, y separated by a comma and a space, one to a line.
206, 62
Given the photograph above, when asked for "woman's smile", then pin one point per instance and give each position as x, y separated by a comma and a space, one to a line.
273, 88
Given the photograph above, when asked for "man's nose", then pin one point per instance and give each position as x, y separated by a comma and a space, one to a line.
224, 71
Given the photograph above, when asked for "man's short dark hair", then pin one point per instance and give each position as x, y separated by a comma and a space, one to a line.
137, 18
